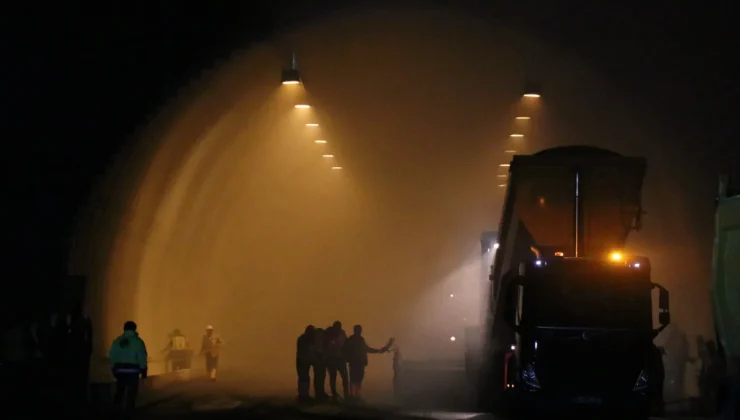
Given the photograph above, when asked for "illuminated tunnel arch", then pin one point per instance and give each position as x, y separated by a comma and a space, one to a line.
222, 212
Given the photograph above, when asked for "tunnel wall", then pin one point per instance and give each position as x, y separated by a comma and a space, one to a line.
223, 212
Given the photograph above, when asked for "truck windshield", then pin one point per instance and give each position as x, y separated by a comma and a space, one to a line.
594, 300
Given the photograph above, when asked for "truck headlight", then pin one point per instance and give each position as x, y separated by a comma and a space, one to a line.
529, 377
642, 381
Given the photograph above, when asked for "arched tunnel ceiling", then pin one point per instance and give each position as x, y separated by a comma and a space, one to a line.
225, 213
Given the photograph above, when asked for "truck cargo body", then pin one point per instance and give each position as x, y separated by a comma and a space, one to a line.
568, 327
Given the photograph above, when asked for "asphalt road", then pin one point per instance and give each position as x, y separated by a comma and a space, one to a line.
201, 400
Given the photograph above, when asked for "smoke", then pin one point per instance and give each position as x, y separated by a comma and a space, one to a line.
227, 214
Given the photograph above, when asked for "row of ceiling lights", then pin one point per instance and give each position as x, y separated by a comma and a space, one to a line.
530, 91
291, 76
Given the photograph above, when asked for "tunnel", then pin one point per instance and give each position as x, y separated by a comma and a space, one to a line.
223, 210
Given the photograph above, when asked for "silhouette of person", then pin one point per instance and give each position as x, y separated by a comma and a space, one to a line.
336, 361
319, 366
303, 362
355, 351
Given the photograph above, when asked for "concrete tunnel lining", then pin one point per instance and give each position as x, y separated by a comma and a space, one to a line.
214, 176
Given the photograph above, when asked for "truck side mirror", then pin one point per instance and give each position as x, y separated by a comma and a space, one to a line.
664, 308
664, 314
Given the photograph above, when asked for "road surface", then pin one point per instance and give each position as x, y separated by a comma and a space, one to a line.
200, 399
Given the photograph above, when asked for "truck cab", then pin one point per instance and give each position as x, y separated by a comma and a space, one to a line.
579, 335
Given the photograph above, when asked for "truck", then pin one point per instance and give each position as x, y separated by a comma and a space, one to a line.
571, 321
725, 292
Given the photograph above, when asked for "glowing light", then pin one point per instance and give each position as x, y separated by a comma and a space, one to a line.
504, 165
636, 265
616, 256
516, 135
336, 168
320, 141
538, 263
452, 295
502, 176
495, 245
327, 156
312, 125
559, 254
532, 95
501, 185
513, 347
303, 106
291, 76
522, 118
453, 338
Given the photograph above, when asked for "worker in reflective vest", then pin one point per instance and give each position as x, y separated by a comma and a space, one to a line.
178, 351
210, 349
128, 360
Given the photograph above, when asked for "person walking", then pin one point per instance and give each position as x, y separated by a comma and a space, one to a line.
128, 362
178, 351
211, 349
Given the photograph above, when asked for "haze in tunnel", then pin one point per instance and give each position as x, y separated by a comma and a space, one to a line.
224, 212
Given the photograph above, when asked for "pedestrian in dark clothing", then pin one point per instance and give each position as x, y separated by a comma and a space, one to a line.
128, 362
303, 362
319, 366
356, 351
54, 341
336, 361
78, 355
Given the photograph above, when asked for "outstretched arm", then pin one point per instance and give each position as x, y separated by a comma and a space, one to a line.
384, 349
372, 349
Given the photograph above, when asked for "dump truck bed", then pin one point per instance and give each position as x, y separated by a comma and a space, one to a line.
541, 208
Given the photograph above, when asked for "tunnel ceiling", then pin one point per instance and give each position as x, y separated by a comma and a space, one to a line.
224, 211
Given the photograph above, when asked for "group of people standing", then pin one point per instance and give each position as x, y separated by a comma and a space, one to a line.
330, 350
63, 342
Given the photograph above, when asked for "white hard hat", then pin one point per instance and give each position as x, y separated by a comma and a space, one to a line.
209, 327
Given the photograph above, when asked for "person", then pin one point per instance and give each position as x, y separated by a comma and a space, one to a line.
210, 349
54, 342
127, 357
303, 362
79, 353
336, 361
355, 351
396, 371
319, 366
178, 351
657, 372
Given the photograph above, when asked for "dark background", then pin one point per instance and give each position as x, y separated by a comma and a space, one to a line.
79, 81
